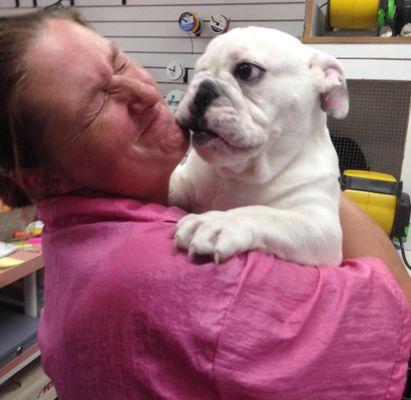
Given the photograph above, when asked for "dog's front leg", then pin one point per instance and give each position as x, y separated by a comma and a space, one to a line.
292, 235
181, 190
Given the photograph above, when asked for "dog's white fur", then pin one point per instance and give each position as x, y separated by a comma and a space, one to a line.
267, 176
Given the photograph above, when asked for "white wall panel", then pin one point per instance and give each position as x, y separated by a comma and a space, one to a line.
163, 44
212, 2
26, 3
367, 51
159, 60
7, 3
161, 77
99, 3
377, 61
175, 2
149, 33
155, 45
166, 87
377, 69
4, 12
171, 29
245, 12
43, 3
143, 28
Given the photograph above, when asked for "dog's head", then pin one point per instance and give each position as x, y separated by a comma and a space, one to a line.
257, 91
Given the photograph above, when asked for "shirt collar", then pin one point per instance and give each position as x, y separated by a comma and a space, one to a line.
66, 211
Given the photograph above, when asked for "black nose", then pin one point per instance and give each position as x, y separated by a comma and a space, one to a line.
206, 93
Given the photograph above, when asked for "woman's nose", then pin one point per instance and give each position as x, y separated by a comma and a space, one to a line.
138, 94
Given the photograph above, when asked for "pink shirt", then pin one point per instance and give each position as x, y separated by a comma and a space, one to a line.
129, 317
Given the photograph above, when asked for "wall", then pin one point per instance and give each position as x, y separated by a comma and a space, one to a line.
149, 33
377, 61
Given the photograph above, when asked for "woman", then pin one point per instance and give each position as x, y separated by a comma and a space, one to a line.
86, 133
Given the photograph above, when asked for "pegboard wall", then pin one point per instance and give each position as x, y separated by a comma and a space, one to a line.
147, 30
373, 135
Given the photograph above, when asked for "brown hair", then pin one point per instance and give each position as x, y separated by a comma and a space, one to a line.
21, 122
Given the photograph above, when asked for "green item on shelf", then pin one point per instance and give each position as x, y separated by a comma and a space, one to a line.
381, 18
404, 237
386, 16
391, 9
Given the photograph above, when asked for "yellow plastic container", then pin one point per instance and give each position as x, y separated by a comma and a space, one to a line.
380, 176
353, 14
381, 207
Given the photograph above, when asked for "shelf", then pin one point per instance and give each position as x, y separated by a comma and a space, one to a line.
314, 17
19, 363
29, 383
33, 261
18, 342
355, 39
18, 331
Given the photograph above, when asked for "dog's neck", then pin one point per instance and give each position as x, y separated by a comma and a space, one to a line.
270, 163
258, 170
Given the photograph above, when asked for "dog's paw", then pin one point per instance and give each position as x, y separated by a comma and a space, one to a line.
213, 233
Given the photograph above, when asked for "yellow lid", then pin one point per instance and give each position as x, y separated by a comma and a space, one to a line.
381, 176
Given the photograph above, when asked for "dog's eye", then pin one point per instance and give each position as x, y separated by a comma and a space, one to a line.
246, 71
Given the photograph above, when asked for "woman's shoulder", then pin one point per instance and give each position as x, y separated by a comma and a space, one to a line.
236, 321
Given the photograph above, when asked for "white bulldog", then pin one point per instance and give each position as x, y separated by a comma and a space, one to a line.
264, 172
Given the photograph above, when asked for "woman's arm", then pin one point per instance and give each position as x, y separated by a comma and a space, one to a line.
362, 237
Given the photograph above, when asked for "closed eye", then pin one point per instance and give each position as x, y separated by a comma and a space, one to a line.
90, 116
122, 67
119, 61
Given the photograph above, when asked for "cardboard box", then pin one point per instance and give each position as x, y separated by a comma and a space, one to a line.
31, 383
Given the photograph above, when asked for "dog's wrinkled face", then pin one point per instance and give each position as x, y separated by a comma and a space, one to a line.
257, 90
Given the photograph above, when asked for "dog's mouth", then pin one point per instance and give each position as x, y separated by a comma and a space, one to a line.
204, 136
201, 137
201, 133
222, 135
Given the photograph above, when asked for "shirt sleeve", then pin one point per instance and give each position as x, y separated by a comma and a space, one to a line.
314, 333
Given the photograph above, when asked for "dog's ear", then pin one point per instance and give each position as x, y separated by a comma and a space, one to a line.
329, 79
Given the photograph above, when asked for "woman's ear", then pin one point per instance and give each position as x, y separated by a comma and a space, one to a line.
40, 182
330, 81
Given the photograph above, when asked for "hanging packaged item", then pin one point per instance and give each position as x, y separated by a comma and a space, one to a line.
190, 22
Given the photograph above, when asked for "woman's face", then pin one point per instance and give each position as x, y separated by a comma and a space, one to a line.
109, 128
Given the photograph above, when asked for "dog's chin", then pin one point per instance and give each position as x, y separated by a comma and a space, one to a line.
215, 150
